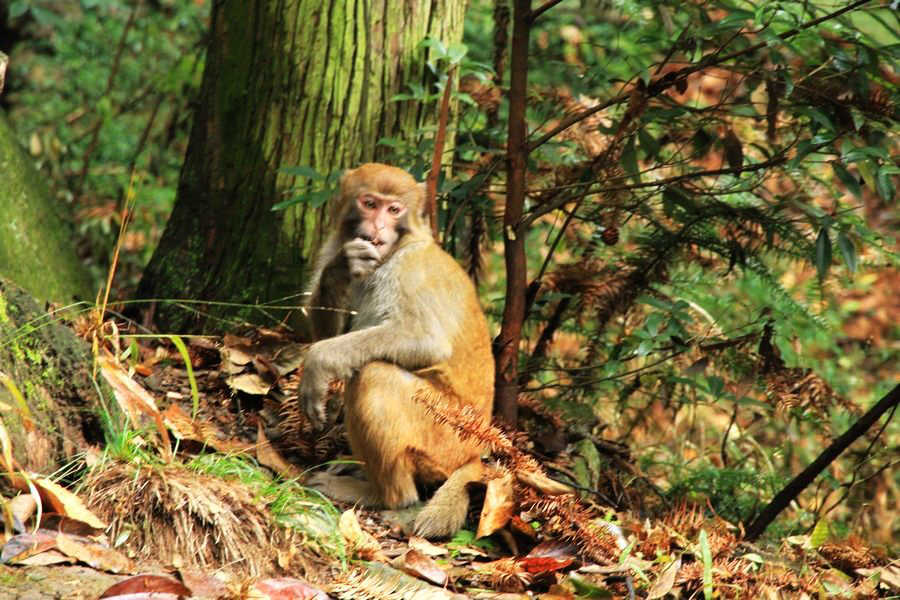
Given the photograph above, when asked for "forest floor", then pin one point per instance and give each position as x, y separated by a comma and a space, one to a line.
202, 497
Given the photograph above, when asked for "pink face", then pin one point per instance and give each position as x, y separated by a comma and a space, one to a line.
380, 220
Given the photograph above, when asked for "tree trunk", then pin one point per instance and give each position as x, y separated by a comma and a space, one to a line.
36, 248
507, 342
286, 83
45, 365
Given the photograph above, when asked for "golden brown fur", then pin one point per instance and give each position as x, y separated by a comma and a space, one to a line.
418, 326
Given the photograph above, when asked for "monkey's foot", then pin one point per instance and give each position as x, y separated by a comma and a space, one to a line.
344, 488
440, 520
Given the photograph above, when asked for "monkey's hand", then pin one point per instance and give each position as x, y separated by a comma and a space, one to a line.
362, 257
314, 386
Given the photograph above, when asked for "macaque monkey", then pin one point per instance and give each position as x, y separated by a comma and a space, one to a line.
417, 327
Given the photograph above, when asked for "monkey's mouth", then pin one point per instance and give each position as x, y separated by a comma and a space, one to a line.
374, 241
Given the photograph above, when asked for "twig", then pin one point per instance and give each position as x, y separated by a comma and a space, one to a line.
542, 9
783, 498
439, 139
95, 133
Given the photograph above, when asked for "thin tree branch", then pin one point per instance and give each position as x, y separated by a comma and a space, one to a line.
801, 481
542, 9
439, 139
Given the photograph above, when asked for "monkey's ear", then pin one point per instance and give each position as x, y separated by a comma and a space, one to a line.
422, 210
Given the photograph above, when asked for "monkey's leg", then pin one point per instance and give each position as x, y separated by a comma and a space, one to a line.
382, 431
445, 513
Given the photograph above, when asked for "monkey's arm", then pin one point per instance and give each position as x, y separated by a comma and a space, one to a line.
339, 357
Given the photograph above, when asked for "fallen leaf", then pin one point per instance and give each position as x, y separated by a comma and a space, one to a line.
22, 507
62, 500
539, 565
93, 554
553, 549
360, 543
46, 558
205, 585
21, 546
888, 575
269, 456
666, 580
58, 523
415, 563
147, 584
426, 547
499, 504
288, 588
249, 383
183, 427
134, 399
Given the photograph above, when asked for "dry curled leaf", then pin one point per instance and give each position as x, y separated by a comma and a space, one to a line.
415, 563
360, 543
154, 586
499, 504
93, 554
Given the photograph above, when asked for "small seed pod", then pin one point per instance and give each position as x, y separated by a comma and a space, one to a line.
610, 235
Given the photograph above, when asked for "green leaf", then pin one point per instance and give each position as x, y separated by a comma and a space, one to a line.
629, 160
708, 591
847, 179
820, 533
18, 8
302, 171
823, 253
885, 185
848, 250
648, 143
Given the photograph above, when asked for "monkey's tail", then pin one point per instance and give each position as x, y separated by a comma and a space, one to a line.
445, 513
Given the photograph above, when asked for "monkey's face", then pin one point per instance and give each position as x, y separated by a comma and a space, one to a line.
381, 220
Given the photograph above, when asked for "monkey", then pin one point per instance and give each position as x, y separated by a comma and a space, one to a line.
417, 328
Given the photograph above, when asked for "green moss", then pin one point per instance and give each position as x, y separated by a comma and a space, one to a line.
4, 316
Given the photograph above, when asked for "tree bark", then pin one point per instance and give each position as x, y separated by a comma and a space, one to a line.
36, 248
286, 83
507, 342
45, 365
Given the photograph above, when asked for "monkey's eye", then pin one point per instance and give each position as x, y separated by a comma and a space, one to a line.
395, 209
369, 202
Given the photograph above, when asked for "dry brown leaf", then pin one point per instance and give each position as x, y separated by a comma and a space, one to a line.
426, 547
360, 543
62, 500
269, 456
185, 428
46, 558
288, 588
20, 547
133, 399
888, 575
666, 580
542, 483
499, 504
93, 554
157, 585
415, 563
22, 507
249, 383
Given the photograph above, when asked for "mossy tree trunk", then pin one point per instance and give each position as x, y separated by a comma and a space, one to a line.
36, 249
300, 82
44, 365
